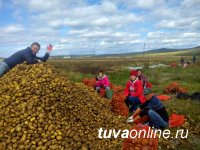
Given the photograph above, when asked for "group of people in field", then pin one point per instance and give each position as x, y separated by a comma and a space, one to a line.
139, 99
185, 64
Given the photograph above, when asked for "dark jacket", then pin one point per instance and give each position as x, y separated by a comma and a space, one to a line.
154, 104
24, 55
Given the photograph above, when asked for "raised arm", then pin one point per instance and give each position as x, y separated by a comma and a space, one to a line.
46, 56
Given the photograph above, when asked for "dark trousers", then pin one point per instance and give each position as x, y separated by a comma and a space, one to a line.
134, 102
156, 120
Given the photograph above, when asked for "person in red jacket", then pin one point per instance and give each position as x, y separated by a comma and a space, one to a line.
134, 91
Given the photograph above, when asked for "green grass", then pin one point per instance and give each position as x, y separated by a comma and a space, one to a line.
187, 77
176, 53
119, 74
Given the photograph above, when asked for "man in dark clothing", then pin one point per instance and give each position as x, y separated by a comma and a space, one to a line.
28, 55
182, 61
194, 59
155, 110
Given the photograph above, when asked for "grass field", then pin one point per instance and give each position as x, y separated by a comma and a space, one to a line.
178, 53
118, 73
185, 53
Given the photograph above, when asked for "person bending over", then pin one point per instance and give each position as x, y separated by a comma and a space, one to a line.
154, 109
28, 55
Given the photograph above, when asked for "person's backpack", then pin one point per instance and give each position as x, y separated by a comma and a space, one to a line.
195, 96
182, 96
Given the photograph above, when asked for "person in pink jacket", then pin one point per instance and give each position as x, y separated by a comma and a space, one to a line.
102, 81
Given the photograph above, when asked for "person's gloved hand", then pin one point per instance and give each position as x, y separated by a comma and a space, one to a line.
49, 48
130, 120
97, 88
107, 88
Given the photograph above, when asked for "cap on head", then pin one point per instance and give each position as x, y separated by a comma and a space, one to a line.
133, 73
147, 91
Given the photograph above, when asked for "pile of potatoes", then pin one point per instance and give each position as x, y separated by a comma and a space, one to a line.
41, 110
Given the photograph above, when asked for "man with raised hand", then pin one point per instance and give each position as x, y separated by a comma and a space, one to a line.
28, 55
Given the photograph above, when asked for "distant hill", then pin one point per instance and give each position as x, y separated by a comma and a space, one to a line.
162, 50
191, 51
155, 52
174, 52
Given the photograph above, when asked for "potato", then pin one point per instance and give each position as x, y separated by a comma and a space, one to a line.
42, 109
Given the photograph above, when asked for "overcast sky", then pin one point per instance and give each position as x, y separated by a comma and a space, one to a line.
98, 27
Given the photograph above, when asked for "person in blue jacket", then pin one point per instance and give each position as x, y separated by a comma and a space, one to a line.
28, 55
154, 109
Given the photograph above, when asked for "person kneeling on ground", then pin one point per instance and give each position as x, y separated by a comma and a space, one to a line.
147, 86
186, 64
28, 55
141, 77
134, 92
102, 81
155, 110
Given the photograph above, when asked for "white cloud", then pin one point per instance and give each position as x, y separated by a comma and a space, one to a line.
43, 5
146, 3
117, 21
178, 15
164, 12
142, 4
175, 40
109, 34
108, 7
12, 29
190, 3
188, 23
107, 26
56, 23
72, 32
170, 41
196, 24
81, 17
190, 35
